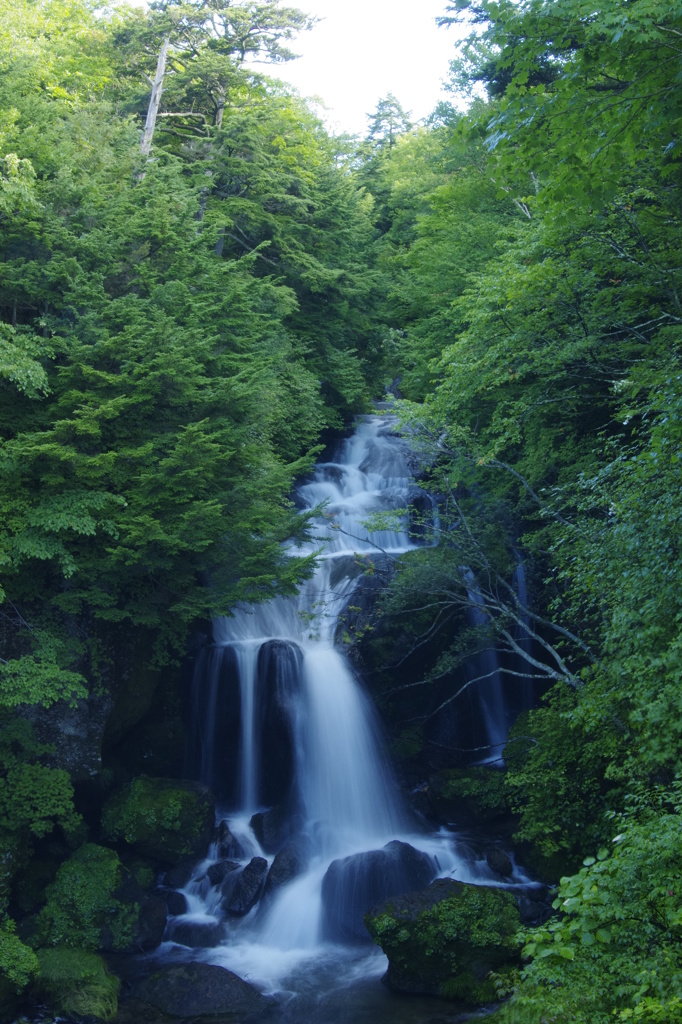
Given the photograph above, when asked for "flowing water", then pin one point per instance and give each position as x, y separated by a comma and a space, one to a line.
279, 720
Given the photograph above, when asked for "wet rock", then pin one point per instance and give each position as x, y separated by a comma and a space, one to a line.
229, 847
194, 990
498, 861
444, 940
196, 934
421, 512
176, 903
217, 873
353, 884
242, 894
286, 866
165, 819
272, 828
535, 907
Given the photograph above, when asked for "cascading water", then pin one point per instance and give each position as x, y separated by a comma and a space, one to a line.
286, 738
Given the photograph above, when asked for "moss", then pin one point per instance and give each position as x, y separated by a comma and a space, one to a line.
77, 982
82, 909
448, 946
161, 818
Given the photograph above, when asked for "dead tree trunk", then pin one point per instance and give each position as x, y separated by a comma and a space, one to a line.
155, 100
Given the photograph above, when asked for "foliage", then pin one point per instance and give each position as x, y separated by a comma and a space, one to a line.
35, 797
613, 951
82, 910
558, 779
77, 982
18, 962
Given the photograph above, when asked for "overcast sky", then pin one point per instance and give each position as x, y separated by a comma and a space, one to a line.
364, 49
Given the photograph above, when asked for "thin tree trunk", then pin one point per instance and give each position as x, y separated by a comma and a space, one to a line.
155, 100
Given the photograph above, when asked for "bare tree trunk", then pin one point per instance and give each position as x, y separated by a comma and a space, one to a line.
155, 100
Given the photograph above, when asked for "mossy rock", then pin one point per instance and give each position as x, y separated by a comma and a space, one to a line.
75, 981
165, 819
473, 794
83, 909
445, 940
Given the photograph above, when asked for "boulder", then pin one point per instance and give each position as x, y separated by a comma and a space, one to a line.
218, 872
94, 902
176, 903
286, 866
229, 847
353, 884
151, 921
165, 819
242, 892
499, 862
444, 940
199, 990
196, 934
272, 828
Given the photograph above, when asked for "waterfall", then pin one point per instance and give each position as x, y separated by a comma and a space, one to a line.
285, 736
485, 668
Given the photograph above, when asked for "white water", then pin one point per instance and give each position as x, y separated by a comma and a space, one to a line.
341, 790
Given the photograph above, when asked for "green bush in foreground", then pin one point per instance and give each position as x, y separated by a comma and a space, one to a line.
614, 953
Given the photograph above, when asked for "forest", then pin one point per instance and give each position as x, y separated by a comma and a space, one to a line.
191, 313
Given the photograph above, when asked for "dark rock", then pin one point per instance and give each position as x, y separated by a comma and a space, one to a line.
242, 894
421, 512
498, 861
196, 934
229, 847
80, 726
176, 903
444, 940
195, 990
272, 828
179, 875
217, 873
286, 866
535, 907
166, 819
151, 922
353, 884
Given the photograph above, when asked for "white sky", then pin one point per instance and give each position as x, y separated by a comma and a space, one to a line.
365, 49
